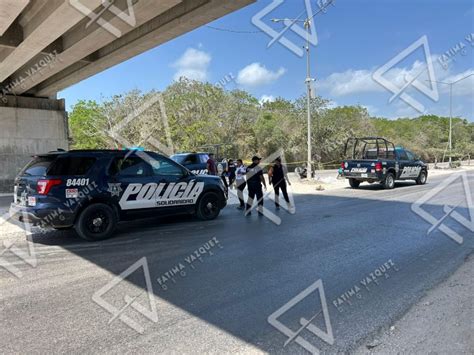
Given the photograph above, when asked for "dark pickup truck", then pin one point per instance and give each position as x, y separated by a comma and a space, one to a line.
374, 159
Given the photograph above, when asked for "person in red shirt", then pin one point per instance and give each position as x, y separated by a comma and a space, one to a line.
211, 165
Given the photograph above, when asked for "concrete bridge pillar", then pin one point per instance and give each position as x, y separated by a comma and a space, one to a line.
28, 126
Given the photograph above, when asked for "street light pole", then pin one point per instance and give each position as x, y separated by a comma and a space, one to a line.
450, 140
450, 137
307, 26
309, 169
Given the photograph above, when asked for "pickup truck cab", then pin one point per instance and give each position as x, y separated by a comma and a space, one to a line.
374, 159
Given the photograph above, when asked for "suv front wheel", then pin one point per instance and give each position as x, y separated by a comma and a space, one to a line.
96, 222
208, 206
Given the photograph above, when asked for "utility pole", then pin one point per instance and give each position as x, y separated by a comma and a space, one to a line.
309, 169
307, 26
450, 135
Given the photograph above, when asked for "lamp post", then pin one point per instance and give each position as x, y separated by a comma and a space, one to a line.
323, 5
450, 137
307, 26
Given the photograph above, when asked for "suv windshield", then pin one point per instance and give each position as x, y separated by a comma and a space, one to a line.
179, 158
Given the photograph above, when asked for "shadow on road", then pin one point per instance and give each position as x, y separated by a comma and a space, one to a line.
257, 266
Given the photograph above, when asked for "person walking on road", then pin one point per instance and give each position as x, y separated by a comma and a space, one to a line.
278, 177
211, 165
240, 183
255, 180
231, 167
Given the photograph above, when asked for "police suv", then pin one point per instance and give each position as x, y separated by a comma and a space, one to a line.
197, 162
374, 159
91, 190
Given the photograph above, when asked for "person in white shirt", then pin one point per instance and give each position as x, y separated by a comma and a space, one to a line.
240, 183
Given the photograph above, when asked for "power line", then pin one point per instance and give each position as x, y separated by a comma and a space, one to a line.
322, 9
233, 31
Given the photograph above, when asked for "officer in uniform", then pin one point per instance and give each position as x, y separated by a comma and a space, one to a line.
278, 176
255, 180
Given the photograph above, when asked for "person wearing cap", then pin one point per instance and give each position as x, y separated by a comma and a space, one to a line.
278, 176
255, 180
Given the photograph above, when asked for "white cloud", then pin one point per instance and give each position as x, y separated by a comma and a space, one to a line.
267, 98
256, 74
464, 87
193, 64
350, 82
356, 81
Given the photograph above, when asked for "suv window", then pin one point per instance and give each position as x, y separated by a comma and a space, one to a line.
402, 155
130, 166
204, 158
191, 159
410, 155
165, 167
71, 166
38, 166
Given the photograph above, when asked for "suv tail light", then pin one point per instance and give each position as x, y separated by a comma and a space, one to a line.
378, 167
343, 165
44, 186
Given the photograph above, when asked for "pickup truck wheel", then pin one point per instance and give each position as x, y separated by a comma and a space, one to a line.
354, 183
389, 182
421, 180
208, 207
97, 222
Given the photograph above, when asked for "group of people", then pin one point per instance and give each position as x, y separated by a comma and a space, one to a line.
252, 178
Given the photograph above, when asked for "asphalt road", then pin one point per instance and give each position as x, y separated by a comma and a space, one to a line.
336, 242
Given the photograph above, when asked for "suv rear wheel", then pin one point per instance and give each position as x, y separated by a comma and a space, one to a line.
208, 206
96, 222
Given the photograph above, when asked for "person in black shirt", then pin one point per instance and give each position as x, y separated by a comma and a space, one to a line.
255, 180
278, 176
231, 172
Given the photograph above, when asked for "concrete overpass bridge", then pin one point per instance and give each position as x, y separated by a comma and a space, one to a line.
49, 45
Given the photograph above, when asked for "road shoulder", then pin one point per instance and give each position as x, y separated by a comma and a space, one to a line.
440, 323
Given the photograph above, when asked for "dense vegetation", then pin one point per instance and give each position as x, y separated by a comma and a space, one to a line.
199, 114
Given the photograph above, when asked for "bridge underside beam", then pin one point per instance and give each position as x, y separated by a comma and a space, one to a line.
41, 53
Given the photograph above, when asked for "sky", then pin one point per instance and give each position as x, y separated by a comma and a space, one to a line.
380, 54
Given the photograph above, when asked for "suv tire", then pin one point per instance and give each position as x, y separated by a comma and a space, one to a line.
208, 206
96, 222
